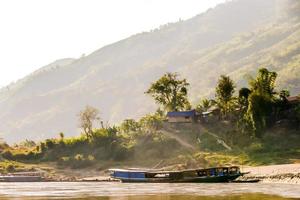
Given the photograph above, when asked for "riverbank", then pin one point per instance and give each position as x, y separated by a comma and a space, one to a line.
286, 173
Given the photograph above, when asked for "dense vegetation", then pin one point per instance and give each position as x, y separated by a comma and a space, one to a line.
245, 131
235, 38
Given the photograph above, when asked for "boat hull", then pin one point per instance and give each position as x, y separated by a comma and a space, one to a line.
20, 179
208, 175
216, 179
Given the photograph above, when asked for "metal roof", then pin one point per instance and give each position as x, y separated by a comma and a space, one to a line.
293, 99
190, 113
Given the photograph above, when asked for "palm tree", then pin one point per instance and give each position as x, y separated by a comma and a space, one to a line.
264, 83
204, 105
224, 94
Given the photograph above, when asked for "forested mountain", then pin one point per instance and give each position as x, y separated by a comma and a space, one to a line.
234, 38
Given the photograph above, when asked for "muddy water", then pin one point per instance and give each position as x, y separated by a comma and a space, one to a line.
121, 191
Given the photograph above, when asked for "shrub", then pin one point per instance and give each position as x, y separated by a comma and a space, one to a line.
65, 158
255, 147
79, 157
121, 153
210, 143
91, 158
43, 147
7, 155
10, 168
33, 155
50, 143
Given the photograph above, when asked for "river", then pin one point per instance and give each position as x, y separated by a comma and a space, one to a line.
149, 191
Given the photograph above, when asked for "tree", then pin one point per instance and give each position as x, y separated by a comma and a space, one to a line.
243, 99
151, 123
284, 94
224, 94
204, 105
28, 143
264, 83
86, 119
244, 93
261, 100
129, 125
170, 92
62, 136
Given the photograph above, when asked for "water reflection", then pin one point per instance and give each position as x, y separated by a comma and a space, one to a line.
164, 197
187, 197
121, 191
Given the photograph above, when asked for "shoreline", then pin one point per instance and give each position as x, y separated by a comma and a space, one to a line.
285, 173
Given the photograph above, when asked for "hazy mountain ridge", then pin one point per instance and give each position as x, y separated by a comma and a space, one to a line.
234, 38
244, 54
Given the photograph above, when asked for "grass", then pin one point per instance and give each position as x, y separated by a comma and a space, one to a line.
8, 166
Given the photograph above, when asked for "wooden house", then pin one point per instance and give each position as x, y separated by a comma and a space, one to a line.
293, 100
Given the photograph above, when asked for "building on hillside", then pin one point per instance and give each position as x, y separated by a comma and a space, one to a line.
211, 115
293, 100
214, 110
182, 116
288, 112
291, 109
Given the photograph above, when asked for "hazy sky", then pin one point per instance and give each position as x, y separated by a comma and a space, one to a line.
34, 33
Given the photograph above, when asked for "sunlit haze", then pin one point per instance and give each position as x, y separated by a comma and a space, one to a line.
34, 33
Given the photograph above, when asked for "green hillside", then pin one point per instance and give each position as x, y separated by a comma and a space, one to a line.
235, 38
276, 46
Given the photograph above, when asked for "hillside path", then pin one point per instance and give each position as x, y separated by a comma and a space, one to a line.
179, 140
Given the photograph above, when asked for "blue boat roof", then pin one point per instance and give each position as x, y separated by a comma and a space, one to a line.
130, 170
189, 113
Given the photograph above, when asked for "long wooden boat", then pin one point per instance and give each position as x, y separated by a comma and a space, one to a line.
21, 177
208, 175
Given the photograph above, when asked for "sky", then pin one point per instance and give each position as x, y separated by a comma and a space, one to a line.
34, 33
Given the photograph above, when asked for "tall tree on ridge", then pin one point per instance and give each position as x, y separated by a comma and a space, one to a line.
170, 92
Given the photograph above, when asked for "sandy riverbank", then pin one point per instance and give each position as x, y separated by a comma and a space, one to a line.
287, 173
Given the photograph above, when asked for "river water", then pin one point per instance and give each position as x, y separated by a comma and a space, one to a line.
149, 191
